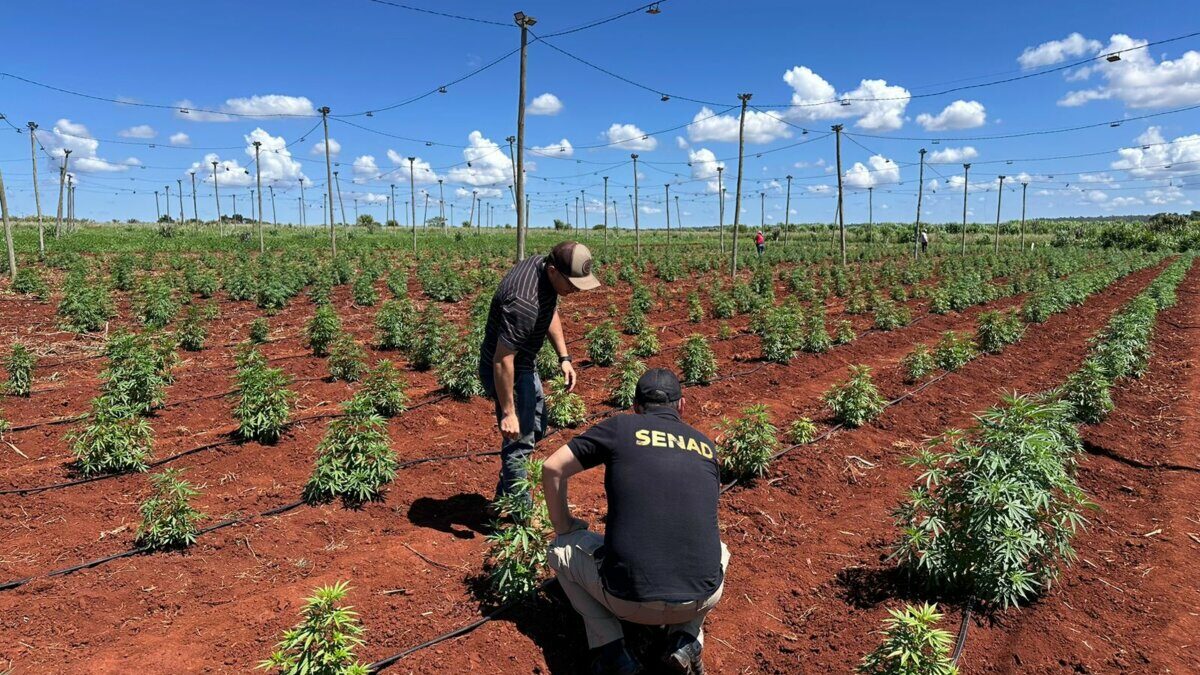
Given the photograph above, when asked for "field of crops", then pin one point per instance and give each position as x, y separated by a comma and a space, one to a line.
197, 436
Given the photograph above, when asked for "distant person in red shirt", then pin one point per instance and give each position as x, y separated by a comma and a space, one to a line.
760, 242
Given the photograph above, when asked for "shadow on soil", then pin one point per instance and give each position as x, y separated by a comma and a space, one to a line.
464, 515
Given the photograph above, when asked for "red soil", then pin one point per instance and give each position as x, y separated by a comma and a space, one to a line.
808, 583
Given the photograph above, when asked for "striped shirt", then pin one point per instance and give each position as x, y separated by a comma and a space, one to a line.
520, 315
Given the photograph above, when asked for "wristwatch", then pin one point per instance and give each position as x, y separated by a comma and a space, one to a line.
564, 359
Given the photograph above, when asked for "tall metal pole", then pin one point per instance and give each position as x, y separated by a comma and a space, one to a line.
412, 188
62, 185
737, 195
37, 197
576, 217
356, 210
525, 22
637, 230
8, 235
787, 209
966, 182
999, 197
837, 130
1023, 187
262, 247
328, 181
920, 193
195, 204
471, 217
616, 218
217, 199
605, 202
721, 209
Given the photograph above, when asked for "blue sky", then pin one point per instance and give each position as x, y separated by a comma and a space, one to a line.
259, 60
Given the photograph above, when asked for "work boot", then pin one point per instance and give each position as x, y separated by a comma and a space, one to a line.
614, 659
684, 655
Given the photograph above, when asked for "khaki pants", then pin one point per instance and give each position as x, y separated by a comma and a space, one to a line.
572, 557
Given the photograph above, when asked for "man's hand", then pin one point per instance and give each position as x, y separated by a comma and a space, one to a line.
575, 524
569, 376
510, 427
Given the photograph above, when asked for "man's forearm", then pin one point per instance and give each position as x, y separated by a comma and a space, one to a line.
555, 333
555, 487
503, 371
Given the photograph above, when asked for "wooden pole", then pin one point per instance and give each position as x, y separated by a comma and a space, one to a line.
837, 130
920, 193
525, 22
966, 182
328, 181
8, 235
37, 196
737, 195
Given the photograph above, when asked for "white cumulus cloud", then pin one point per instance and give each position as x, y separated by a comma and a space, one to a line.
953, 155
422, 172
487, 163
814, 98
365, 169
562, 148
629, 137
958, 115
1057, 51
545, 104
704, 167
1138, 80
318, 148
275, 162
68, 135
139, 131
882, 171
258, 107
1155, 158
180, 138
761, 127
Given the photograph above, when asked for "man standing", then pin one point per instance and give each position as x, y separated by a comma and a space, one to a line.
760, 243
660, 561
524, 310
924, 241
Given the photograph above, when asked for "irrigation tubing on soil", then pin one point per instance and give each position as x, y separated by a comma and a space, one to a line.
17, 583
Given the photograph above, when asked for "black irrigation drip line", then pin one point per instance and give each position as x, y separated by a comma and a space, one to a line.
17, 583
961, 643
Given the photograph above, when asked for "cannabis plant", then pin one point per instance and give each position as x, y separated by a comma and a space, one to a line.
747, 443
844, 333
628, 373
697, 362
19, 364
918, 363
260, 329
564, 409
516, 561
996, 330
397, 283
29, 282
355, 459
155, 304
138, 370
996, 507
695, 308
168, 518
635, 322
646, 344
912, 645
816, 337
385, 388
855, 401
347, 359
363, 290
802, 431
458, 371
265, 404
115, 440
953, 351
1087, 391
395, 325
779, 333
890, 316
546, 362
324, 642
322, 330
432, 336
192, 331
603, 344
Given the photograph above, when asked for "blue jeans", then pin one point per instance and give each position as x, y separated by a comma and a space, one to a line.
531, 414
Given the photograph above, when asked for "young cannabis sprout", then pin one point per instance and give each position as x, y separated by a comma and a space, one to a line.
603, 344
168, 518
912, 645
355, 460
322, 330
747, 443
19, 364
564, 409
324, 642
697, 362
855, 401
516, 561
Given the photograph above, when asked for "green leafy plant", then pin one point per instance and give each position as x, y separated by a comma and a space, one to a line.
395, 325
890, 316
168, 518
844, 333
695, 308
363, 290
603, 344
564, 409
19, 364
546, 362
432, 338
86, 305
747, 443
855, 401
347, 359
192, 332
995, 509
260, 329
628, 372
912, 645
115, 440
802, 431
779, 334
953, 351
321, 330
385, 388
917, 364
265, 405
697, 363
29, 282
355, 460
816, 337
996, 330
635, 322
458, 372
516, 559
324, 642
1087, 391
646, 344
138, 370
155, 303
397, 283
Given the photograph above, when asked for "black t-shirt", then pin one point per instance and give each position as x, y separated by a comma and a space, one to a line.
662, 482
520, 314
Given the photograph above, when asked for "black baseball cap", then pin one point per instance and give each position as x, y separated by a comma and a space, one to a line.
658, 386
